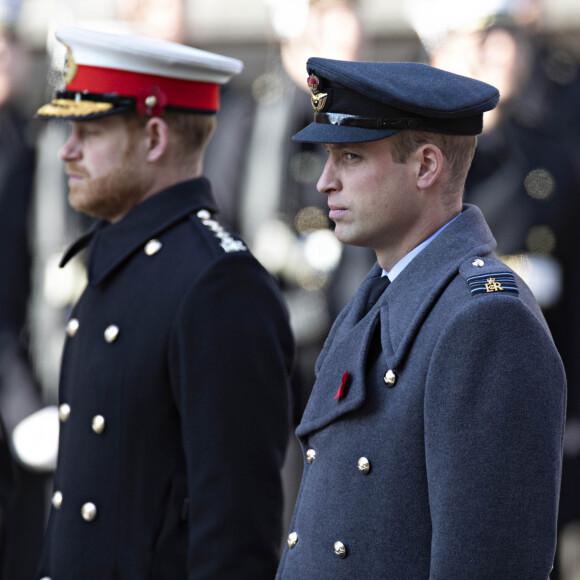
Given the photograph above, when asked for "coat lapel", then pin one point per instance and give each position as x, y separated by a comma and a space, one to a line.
345, 351
343, 357
401, 311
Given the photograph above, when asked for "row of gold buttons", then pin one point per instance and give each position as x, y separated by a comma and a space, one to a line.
88, 510
339, 548
98, 422
151, 248
363, 464
111, 332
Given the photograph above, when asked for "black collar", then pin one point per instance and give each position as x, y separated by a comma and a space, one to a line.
111, 244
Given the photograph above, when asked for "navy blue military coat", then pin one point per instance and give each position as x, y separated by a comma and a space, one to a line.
442, 457
174, 403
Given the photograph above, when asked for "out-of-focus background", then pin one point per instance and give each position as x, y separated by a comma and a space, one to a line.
525, 177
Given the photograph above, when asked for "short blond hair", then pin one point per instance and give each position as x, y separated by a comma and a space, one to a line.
458, 150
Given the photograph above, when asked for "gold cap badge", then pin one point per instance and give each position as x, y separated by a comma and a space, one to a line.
69, 70
318, 99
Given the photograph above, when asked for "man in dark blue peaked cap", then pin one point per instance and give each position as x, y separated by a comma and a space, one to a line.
432, 439
367, 101
174, 400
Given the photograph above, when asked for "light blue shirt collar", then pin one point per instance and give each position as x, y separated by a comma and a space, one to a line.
406, 260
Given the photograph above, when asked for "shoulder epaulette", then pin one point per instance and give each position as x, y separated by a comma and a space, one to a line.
488, 276
227, 241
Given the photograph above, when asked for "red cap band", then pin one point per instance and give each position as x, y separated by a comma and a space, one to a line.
179, 92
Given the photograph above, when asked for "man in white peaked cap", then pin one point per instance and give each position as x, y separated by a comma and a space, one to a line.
174, 399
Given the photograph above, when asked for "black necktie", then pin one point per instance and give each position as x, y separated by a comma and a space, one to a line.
376, 291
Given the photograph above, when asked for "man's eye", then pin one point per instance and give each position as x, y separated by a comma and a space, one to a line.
351, 156
84, 132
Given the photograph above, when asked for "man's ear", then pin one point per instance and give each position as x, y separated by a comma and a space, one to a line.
430, 165
157, 134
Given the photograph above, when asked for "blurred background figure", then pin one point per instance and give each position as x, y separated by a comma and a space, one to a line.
6, 487
265, 185
163, 19
526, 179
22, 511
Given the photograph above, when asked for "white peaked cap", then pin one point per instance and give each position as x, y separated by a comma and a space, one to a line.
108, 73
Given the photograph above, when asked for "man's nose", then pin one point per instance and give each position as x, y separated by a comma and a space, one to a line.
70, 150
328, 181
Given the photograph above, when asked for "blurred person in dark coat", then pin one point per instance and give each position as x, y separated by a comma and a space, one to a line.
432, 440
268, 188
20, 397
174, 394
268, 191
6, 488
525, 176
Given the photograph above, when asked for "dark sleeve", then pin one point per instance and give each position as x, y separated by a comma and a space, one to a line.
19, 393
494, 420
6, 475
230, 358
16, 181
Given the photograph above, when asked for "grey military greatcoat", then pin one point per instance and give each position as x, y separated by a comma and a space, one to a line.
432, 438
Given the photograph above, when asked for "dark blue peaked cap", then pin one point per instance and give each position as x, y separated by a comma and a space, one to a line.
367, 101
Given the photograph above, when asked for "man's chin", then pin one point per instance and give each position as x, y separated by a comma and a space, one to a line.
342, 234
75, 199
346, 236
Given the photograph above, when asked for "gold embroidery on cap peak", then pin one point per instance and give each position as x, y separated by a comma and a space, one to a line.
69, 108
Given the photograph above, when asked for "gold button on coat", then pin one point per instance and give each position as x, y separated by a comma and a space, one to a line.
340, 549
72, 327
98, 424
292, 540
310, 455
390, 378
57, 500
64, 412
111, 333
364, 465
89, 511
152, 247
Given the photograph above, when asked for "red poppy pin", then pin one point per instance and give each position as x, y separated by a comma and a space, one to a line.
341, 389
151, 101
